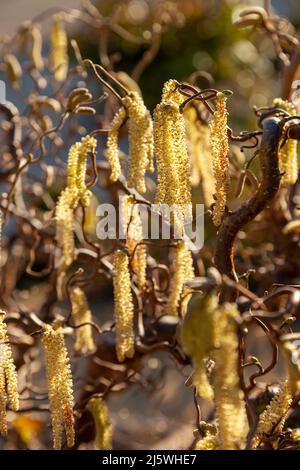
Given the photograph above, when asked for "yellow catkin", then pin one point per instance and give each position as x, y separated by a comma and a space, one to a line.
127, 81
198, 144
13, 70
36, 47
8, 377
140, 136
288, 158
229, 399
59, 49
64, 215
197, 338
295, 434
273, 417
88, 145
133, 228
209, 442
75, 191
173, 166
219, 147
91, 218
112, 148
60, 385
103, 433
124, 311
183, 272
82, 314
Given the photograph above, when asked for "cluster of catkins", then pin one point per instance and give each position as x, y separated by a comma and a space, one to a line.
186, 152
30, 41
209, 337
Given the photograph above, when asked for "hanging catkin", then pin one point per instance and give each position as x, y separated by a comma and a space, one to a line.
174, 188
82, 314
8, 377
60, 385
183, 272
112, 150
36, 47
288, 158
140, 136
13, 70
197, 338
229, 399
133, 230
124, 311
272, 419
97, 407
75, 191
59, 49
199, 150
219, 148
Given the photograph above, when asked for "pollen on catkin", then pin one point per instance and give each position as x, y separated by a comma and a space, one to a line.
173, 166
210, 439
82, 314
59, 49
8, 377
183, 272
288, 158
133, 230
60, 385
69, 198
112, 148
140, 136
124, 311
199, 150
103, 433
272, 419
197, 339
219, 148
229, 398
209, 442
